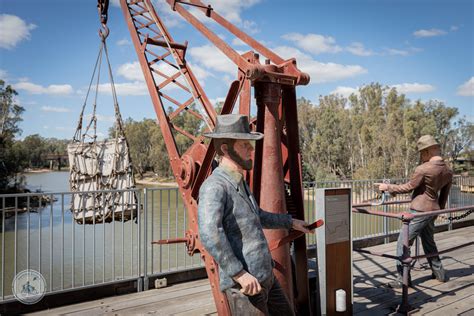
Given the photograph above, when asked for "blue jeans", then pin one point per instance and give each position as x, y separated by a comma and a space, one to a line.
270, 301
423, 227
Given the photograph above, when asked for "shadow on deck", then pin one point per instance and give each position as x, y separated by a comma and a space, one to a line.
371, 296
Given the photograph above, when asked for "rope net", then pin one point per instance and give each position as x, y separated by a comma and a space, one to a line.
101, 172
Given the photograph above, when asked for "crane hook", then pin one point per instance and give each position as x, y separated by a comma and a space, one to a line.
103, 7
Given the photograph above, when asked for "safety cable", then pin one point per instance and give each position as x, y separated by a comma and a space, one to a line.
77, 135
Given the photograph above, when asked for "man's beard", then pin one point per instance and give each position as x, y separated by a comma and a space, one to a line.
245, 164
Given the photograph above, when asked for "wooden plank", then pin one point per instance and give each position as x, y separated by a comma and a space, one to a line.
464, 297
370, 272
431, 290
366, 260
170, 306
375, 280
389, 268
380, 294
207, 309
135, 298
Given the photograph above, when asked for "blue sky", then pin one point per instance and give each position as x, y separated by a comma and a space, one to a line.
423, 47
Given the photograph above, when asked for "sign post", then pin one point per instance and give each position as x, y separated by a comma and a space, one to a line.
334, 251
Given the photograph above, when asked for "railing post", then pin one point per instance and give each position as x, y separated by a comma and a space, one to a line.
385, 224
448, 202
406, 259
145, 239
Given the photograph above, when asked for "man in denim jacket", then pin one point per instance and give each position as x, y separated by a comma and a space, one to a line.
231, 225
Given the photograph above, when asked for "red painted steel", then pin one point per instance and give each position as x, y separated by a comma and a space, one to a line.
277, 117
272, 187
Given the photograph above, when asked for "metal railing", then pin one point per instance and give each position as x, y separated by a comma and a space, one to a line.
365, 227
39, 232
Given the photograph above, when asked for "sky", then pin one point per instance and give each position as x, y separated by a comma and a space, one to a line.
424, 48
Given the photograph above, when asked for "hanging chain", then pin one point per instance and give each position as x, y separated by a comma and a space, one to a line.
456, 218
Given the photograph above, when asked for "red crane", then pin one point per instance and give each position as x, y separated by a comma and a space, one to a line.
276, 184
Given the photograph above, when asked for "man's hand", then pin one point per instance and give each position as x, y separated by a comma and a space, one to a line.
250, 285
381, 186
302, 226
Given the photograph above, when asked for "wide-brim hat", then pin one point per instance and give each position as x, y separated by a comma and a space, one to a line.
233, 126
426, 141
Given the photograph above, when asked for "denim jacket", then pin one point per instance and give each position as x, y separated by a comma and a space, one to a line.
231, 228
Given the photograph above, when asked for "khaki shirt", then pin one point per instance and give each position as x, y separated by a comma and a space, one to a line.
430, 184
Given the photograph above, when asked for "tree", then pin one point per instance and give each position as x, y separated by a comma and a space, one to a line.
10, 112
373, 133
35, 148
459, 140
10, 155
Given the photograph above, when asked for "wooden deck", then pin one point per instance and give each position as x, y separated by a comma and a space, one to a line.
371, 297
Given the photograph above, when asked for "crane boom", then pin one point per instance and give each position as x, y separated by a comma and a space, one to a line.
175, 93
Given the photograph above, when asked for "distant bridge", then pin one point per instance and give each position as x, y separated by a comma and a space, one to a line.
56, 157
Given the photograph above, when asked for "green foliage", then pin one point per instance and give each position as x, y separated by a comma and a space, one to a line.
373, 134
147, 147
10, 155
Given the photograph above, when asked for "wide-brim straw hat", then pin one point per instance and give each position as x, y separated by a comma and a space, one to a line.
426, 141
233, 126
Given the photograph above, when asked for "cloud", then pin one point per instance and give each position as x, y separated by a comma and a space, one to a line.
54, 89
13, 30
313, 43
454, 28
200, 73
345, 91
250, 27
127, 88
232, 9
210, 57
429, 33
216, 100
105, 118
131, 71
124, 42
115, 3
55, 109
102, 118
413, 88
320, 72
399, 52
3, 74
61, 128
213, 60
467, 88
358, 49
170, 18
238, 42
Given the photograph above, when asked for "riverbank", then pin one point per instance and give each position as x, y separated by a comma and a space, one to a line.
41, 170
152, 181
146, 180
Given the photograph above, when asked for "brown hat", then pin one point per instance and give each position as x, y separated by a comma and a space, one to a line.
234, 126
426, 141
